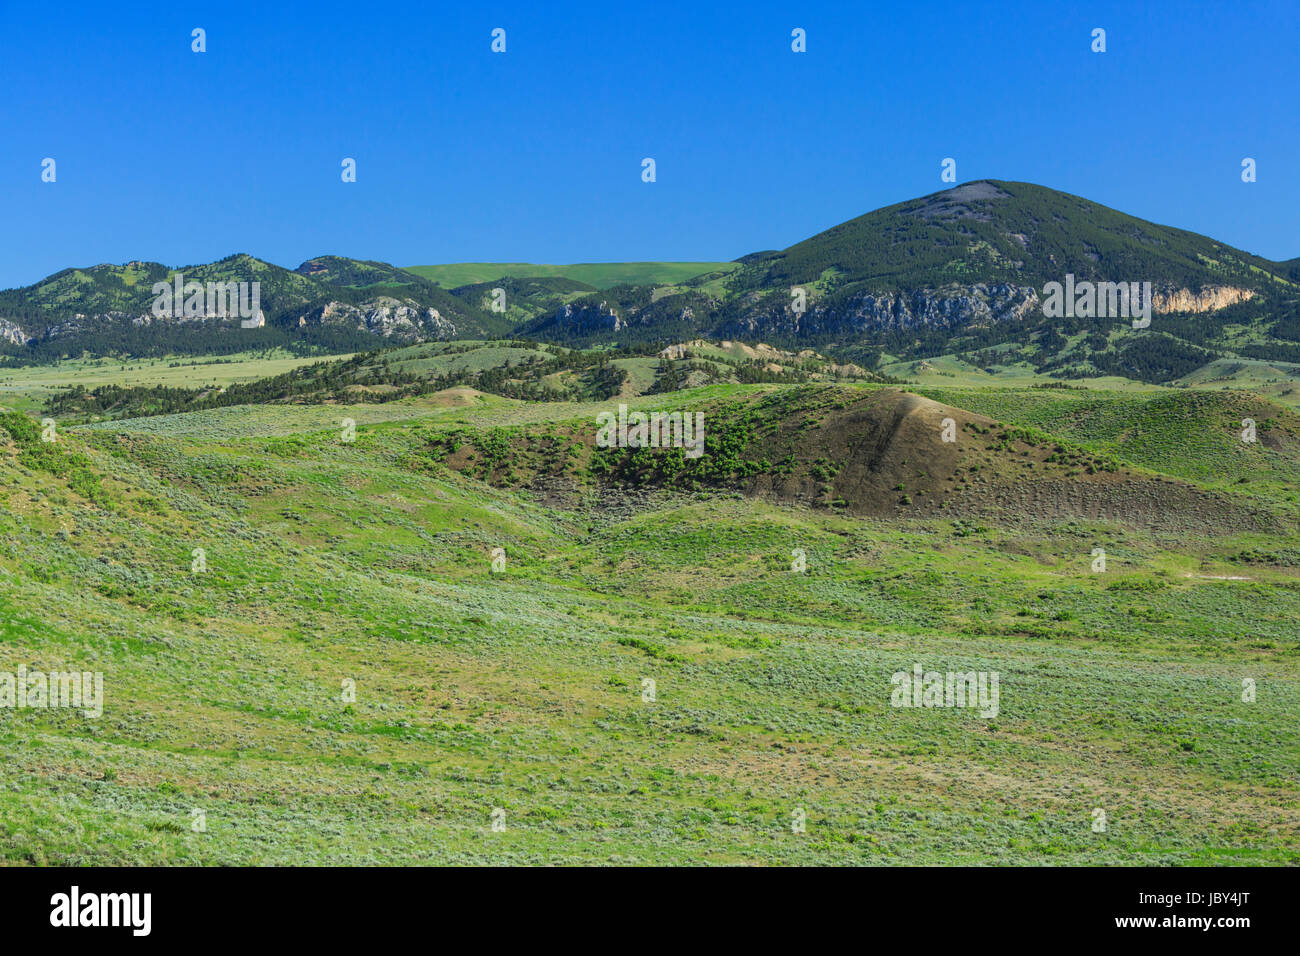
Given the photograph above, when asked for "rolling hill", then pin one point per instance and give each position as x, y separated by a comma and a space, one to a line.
308, 637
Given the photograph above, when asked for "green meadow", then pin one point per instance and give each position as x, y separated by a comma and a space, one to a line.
30, 387
310, 658
602, 275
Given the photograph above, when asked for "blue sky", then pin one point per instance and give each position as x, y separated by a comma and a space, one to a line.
535, 154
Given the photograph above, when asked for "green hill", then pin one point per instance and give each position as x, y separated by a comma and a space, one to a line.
962, 273
329, 304
992, 231
357, 273
601, 275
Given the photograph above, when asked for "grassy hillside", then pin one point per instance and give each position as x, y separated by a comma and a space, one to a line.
960, 275
1192, 435
524, 691
602, 275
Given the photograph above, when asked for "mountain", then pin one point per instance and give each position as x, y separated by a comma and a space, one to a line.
1001, 232
981, 253
961, 273
328, 304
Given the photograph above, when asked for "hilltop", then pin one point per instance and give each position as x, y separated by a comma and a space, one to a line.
887, 453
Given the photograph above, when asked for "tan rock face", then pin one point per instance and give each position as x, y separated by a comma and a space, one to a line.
12, 332
1209, 299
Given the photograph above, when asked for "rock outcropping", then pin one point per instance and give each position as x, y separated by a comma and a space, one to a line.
401, 319
951, 308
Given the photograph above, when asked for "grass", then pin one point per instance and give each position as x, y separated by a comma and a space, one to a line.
602, 275
1277, 381
524, 690
28, 388
1190, 434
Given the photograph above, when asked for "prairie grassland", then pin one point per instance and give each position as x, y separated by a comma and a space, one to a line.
602, 275
524, 690
28, 388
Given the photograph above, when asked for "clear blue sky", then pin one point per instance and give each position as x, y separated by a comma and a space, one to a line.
535, 155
